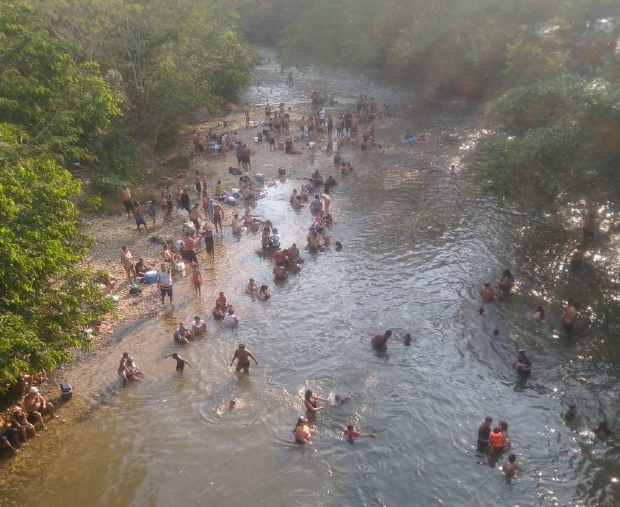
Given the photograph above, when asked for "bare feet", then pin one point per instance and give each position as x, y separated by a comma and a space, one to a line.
45, 428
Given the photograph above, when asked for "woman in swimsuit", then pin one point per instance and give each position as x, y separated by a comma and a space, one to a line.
302, 431
310, 402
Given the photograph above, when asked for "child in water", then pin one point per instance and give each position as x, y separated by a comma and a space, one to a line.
511, 469
196, 279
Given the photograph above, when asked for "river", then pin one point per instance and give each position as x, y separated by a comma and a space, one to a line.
419, 244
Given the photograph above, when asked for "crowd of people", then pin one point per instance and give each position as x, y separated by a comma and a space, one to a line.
23, 422
496, 439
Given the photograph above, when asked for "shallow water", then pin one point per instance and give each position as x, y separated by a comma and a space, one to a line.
419, 243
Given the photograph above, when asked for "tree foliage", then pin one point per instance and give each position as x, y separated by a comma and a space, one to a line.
558, 138
50, 109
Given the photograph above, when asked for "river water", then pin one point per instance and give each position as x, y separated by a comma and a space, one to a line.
419, 243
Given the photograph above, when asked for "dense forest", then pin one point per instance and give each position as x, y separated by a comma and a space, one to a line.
105, 84
550, 70
99, 84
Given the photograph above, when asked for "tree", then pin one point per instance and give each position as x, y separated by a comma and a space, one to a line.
51, 109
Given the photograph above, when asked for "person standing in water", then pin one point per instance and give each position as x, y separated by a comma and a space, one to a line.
243, 359
380, 340
310, 402
523, 364
180, 361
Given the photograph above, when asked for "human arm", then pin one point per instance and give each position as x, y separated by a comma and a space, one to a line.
311, 409
187, 363
319, 398
233, 359
252, 356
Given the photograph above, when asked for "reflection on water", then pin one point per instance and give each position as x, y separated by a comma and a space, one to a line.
419, 243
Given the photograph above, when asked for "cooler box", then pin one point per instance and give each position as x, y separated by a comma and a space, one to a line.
236, 193
282, 171
231, 201
66, 391
150, 276
259, 178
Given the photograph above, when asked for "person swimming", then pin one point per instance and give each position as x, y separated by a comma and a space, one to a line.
407, 339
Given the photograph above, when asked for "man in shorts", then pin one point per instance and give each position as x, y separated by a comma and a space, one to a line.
36, 405
164, 280
243, 359
126, 198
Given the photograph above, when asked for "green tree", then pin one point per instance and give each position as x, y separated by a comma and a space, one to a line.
51, 109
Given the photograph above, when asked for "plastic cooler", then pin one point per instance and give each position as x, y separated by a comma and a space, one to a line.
259, 178
150, 276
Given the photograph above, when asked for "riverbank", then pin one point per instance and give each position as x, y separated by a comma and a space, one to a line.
114, 230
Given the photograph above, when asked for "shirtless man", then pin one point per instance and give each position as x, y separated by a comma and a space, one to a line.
380, 340
248, 218
35, 406
281, 257
217, 216
243, 359
126, 198
190, 248
327, 200
199, 326
293, 254
280, 272
487, 292
569, 317
180, 361
194, 216
123, 369
251, 287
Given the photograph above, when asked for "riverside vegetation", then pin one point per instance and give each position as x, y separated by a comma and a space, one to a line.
108, 85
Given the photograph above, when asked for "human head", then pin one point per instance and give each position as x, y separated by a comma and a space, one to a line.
33, 389
175, 355
197, 318
221, 294
181, 324
521, 352
301, 420
264, 287
219, 182
231, 312
388, 333
231, 404
308, 394
507, 272
124, 248
503, 425
577, 305
572, 408
251, 280
481, 311
512, 457
125, 354
163, 266
350, 427
316, 196
337, 398
488, 420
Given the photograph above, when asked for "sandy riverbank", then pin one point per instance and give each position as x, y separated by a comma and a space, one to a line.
112, 231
